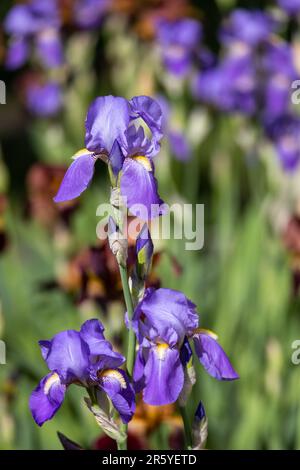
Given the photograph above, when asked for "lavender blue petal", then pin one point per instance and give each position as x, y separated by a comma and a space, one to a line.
106, 120
69, 356
164, 376
47, 398
139, 186
213, 358
117, 386
76, 179
166, 313
149, 110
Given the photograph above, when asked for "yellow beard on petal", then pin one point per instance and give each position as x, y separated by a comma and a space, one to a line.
114, 374
54, 378
161, 350
210, 333
81, 152
143, 161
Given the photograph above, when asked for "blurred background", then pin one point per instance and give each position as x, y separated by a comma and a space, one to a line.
224, 73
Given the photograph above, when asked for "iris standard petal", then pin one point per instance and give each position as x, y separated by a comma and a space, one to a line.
46, 399
104, 356
138, 371
164, 376
69, 356
77, 178
149, 110
45, 346
139, 187
117, 386
106, 120
213, 357
167, 313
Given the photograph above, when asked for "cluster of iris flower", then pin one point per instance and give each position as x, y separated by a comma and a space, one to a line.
165, 322
254, 78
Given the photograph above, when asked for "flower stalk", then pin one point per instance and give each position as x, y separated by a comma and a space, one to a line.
187, 428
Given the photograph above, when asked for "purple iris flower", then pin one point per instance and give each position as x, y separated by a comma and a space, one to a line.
279, 70
284, 132
251, 27
38, 23
44, 99
178, 40
17, 53
290, 6
84, 358
111, 133
163, 321
229, 86
179, 145
89, 13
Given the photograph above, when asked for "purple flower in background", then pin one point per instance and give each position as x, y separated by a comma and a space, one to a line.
84, 358
49, 47
89, 13
251, 27
250, 81
178, 41
290, 6
179, 145
17, 53
163, 321
38, 23
284, 132
279, 70
111, 132
44, 99
229, 86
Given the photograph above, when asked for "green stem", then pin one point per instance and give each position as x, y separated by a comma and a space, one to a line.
187, 428
131, 338
129, 307
123, 444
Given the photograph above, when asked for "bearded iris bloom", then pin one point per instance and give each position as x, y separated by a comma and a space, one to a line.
250, 27
163, 322
179, 41
89, 13
284, 133
292, 7
35, 23
229, 86
84, 358
178, 143
44, 99
111, 134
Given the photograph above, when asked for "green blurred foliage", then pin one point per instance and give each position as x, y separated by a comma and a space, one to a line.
240, 280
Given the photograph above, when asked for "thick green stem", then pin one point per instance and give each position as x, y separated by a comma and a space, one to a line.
187, 428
